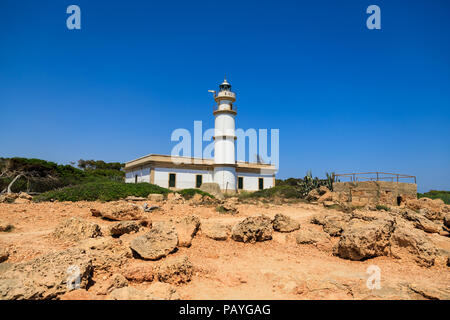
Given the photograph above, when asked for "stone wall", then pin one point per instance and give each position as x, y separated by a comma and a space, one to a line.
374, 192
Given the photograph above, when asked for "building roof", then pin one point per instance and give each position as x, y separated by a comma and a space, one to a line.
165, 161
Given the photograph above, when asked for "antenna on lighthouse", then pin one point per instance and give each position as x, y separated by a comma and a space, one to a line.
213, 92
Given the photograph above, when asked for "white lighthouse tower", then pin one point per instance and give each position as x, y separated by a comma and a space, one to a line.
224, 138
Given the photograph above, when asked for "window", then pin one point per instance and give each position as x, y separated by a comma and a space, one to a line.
172, 180
135, 178
198, 180
240, 182
261, 183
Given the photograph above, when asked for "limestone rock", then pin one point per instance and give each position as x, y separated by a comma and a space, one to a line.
120, 212
333, 223
106, 253
155, 197
311, 236
252, 229
216, 230
414, 241
313, 195
161, 240
327, 196
140, 273
175, 270
447, 220
117, 281
421, 222
75, 229
362, 240
283, 223
129, 293
163, 291
123, 227
213, 189
46, 277
186, 228
175, 197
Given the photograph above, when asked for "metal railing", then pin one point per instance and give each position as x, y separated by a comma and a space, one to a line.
373, 176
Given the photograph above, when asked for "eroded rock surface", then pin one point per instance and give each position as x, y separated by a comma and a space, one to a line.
252, 229
161, 240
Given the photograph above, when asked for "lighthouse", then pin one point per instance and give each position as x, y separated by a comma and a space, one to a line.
184, 172
224, 138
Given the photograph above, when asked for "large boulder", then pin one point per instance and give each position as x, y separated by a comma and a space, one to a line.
123, 227
252, 229
186, 228
215, 230
333, 222
283, 223
120, 211
406, 238
312, 236
362, 240
313, 195
107, 253
47, 276
116, 281
75, 229
161, 240
175, 270
421, 222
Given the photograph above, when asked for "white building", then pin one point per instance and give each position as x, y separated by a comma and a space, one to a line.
229, 174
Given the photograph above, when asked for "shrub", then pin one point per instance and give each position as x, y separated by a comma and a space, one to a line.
284, 191
382, 207
103, 191
435, 194
189, 193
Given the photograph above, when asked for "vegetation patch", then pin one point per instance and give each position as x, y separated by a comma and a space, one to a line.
103, 191
382, 207
435, 194
189, 193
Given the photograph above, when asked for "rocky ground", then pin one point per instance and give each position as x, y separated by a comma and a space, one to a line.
179, 249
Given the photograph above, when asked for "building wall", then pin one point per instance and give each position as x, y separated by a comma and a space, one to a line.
185, 178
143, 175
251, 180
383, 192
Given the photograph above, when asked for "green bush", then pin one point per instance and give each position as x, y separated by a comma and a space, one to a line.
435, 194
189, 193
103, 191
283, 191
382, 207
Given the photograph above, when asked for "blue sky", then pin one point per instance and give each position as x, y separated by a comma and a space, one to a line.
345, 98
